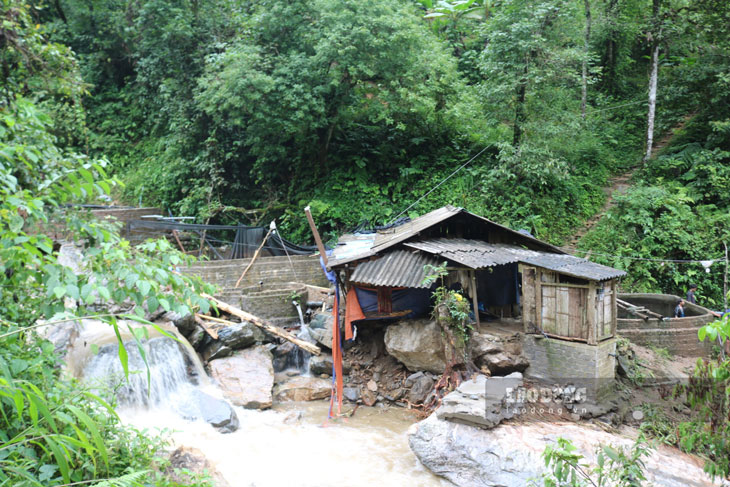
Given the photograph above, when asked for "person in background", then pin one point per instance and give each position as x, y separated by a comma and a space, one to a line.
679, 309
691, 294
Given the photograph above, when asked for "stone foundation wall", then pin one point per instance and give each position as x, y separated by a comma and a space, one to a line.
270, 270
560, 361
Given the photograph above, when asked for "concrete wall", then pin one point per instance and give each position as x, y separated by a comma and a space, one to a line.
270, 270
560, 361
678, 335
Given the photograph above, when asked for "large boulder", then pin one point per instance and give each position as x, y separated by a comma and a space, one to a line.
214, 411
246, 377
500, 355
320, 329
481, 402
230, 338
510, 454
303, 389
417, 345
322, 365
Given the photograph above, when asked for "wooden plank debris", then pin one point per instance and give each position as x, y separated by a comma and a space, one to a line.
263, 324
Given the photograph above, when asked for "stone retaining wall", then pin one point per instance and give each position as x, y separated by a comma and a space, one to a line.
560, 361
270, 270
678, 335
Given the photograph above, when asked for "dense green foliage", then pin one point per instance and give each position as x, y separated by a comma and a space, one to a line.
52, 430
209, 107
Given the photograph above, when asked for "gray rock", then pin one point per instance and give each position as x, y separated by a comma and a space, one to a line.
352, 394
480, 402
510, 455
323, 335
246, 377
234, 337
303, 389
196, 337
421, 387
216, 412
184, 324
413, 377
417, 345
322, 364
501, 355
321, 321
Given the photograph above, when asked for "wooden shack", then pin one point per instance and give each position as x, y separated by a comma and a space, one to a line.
504, 272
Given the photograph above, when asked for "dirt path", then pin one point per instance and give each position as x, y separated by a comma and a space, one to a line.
619, 184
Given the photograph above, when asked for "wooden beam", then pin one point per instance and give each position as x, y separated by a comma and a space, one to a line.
211, 331
591, 313
263, 324
565, 284
317, 238
474, 298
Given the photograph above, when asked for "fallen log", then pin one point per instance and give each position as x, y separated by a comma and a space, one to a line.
209, 330
264, 325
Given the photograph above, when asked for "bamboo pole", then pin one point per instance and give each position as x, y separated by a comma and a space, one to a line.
264, 325
255, 256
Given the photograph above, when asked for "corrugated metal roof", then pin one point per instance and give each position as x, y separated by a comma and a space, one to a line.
477, 255
388, 238
355, 247
400, 268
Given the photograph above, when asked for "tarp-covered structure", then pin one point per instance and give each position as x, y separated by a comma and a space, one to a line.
239, 241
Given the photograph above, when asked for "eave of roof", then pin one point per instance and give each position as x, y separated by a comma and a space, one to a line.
399, 268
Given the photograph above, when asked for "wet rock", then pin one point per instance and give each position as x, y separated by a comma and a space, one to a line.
510, 455
480, 402
196, 337
417, 345
234, 337
352, 394
246, 377
184, 324
323, 333
421, 386
303, 389
216, 412
187, 463
322, 364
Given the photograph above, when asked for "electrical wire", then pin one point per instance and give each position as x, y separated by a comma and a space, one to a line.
439, 184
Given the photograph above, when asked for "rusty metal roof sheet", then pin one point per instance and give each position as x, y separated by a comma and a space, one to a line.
477, 254
400, 268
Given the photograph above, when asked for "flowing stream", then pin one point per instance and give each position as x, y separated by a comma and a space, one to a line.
291, 445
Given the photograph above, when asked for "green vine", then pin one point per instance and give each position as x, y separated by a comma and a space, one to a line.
456, 305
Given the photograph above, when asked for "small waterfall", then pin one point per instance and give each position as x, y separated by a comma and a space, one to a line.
173, 374
294, 358
299, 310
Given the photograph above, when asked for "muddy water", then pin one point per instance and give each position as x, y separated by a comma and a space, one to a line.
291, 445
370, 449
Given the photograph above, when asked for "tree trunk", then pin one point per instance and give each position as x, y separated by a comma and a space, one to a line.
586, 48
652, 100
520, 111
656, 39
